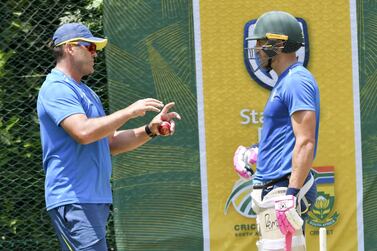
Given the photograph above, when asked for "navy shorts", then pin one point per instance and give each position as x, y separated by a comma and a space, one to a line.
81, 226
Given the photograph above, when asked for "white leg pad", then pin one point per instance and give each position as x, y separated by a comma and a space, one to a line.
271, 238
298, 244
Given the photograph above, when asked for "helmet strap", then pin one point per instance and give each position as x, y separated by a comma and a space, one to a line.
271, 51
269, 66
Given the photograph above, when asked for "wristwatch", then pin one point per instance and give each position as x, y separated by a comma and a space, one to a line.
149, 132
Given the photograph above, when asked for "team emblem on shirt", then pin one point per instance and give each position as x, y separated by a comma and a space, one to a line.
261, 76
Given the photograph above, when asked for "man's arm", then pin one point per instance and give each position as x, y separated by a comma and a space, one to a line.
304, 125
88, 130
127, 140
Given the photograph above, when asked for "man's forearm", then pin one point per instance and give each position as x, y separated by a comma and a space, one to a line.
128, 140
302, 161
94, 129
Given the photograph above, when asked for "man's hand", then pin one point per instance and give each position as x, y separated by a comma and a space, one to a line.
243, 160
140, 107
164, 115
288, 219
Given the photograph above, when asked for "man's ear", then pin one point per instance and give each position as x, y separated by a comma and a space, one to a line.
68, 49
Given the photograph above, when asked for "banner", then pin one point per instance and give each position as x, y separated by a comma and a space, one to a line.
181, 193
233, 102
157, 188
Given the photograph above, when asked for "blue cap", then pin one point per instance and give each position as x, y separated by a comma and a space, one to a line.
76, 32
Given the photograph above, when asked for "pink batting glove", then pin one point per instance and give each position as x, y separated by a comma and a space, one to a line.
288, 219
243, 159
252, 154
239, 163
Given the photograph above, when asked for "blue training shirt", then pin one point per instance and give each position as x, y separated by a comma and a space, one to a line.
75, 173
295, 90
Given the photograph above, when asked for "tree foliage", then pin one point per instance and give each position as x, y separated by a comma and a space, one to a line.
26, 28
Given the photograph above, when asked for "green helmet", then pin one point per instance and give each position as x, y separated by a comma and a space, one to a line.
280, 25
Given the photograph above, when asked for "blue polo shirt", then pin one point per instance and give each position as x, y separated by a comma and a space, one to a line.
295, 90
75, 173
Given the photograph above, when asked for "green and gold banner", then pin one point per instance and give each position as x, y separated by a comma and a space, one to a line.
233, 114
181, 192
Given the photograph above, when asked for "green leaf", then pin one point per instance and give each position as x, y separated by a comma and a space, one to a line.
12, 122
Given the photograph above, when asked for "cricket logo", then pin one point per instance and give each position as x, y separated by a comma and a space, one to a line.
240, 198
322, 214
260, 75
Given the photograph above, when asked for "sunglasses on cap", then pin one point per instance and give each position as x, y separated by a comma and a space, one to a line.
91, 47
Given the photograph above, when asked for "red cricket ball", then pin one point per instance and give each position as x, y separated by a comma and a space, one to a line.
164, 128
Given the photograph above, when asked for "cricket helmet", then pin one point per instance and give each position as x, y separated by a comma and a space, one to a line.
279, 25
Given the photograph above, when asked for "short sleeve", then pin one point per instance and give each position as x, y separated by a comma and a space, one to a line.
299, 95
60, 101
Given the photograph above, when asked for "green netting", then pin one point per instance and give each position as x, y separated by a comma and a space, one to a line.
25, 29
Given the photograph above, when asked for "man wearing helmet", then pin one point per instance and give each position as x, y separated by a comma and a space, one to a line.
284, 187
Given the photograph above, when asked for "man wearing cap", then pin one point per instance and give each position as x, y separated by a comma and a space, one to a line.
78, 138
